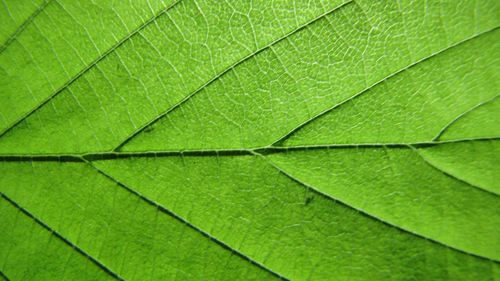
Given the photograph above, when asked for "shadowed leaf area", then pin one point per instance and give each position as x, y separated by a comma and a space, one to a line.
249, 140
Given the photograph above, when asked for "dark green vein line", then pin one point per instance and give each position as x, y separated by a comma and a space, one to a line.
367, 89
41, 158
277, 149
110, 155
220, 74
4, 276
187, 223
58, 235
23, 26
364, 213
448, 174
88, 67
445, 128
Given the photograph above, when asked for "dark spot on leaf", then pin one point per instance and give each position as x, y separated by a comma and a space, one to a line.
308, 200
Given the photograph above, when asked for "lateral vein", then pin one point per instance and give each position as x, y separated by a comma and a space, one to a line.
23, 26
414, 149
363, 212
62, 238
172, 214
4, 276
88, 67
324, 112
220, 74
460, 116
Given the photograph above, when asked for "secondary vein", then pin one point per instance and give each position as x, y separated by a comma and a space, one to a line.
449, 174
62, 238
172, 214
23, 26
324, 112
88, 67
4, 276
365, 213
220, 74
460, 116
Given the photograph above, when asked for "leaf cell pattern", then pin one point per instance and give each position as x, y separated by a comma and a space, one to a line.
249, 140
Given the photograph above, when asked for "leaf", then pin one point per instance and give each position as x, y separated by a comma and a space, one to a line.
222, 140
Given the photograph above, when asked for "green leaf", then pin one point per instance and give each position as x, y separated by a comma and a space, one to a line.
249, 140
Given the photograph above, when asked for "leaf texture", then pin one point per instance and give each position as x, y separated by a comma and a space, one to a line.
249, 140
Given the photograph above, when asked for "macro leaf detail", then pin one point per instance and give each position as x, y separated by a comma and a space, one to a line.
249, 140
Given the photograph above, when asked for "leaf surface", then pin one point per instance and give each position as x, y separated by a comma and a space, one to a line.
221, 140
